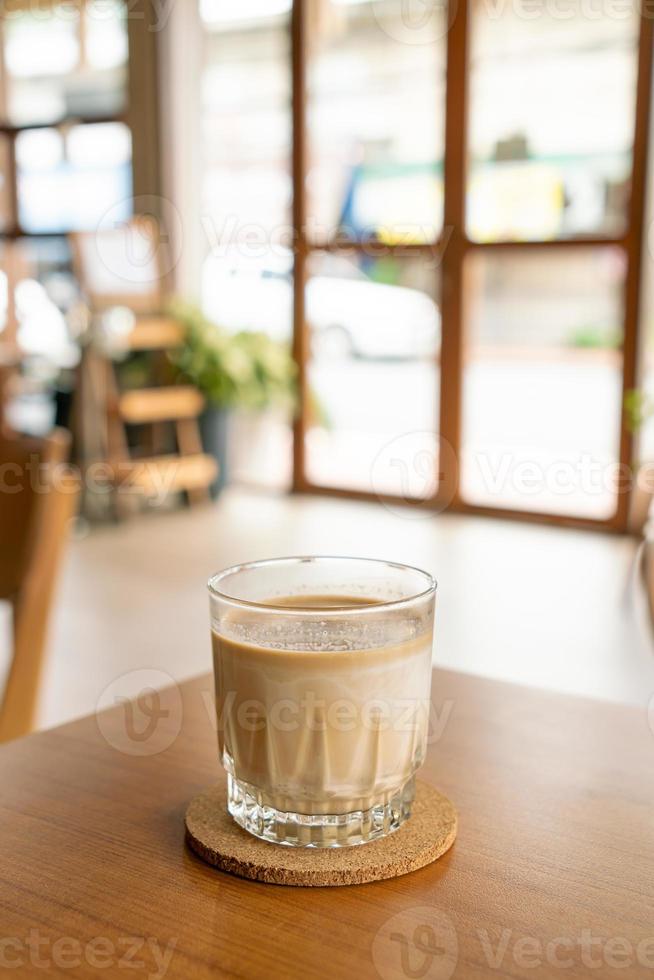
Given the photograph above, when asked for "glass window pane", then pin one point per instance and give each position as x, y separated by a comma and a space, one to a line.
41, 41
373, 383
55, 69
246, 119
250, 290
375, 119
106, 34
224, 11
99, 145
552, 95
542, 383
67, 184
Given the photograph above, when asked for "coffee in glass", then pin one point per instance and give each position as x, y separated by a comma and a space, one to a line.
322, 670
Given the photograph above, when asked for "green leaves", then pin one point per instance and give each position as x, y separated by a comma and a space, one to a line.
247, 369
638, 408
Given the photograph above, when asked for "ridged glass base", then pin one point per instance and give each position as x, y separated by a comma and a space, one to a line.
322, 830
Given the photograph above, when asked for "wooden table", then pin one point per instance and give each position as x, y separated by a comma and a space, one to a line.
552, 873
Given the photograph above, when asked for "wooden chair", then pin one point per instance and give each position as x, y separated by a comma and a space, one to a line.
122, 266
38, 496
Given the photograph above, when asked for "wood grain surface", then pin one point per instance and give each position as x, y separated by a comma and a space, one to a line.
552, 872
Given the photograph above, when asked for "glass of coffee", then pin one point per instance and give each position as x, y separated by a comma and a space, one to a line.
323, 672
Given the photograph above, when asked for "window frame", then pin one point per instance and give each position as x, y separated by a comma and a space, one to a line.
14, 232
455, 246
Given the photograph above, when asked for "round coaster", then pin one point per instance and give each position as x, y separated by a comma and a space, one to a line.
426, 835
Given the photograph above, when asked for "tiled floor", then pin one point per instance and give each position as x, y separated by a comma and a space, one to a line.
541, 606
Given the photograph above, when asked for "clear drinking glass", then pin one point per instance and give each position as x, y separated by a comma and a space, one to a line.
323, 672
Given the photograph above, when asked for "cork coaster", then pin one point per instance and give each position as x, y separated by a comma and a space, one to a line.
215, 837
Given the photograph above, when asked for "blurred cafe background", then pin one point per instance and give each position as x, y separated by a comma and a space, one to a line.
324, 276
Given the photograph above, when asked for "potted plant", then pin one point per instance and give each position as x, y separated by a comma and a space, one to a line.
246, 370
639, 409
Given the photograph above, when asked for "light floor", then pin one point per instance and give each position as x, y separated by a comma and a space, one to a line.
541, 606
